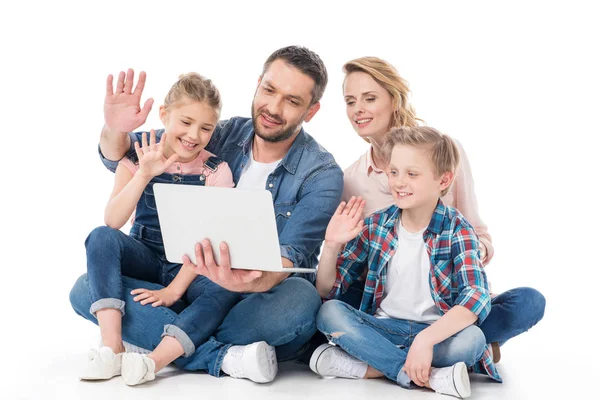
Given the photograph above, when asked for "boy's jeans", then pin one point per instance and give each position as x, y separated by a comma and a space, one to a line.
383, 343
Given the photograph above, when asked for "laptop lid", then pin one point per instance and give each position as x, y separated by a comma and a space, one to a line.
244, 219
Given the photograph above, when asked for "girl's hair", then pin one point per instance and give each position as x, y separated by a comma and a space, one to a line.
386, 75
195, 87
442, 149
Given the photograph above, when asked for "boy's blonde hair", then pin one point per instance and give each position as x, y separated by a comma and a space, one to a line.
442, 149
195, 87
386, 76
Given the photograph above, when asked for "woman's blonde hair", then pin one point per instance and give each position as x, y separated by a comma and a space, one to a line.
442, 149
195, 87
386, 75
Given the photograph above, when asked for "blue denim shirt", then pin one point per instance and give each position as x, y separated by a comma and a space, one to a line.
306, 186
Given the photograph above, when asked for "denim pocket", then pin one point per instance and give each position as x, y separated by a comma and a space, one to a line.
283, 212
149, 197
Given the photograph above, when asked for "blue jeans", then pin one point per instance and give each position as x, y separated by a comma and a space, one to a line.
111, 254
383, 343
284, 317
513, 312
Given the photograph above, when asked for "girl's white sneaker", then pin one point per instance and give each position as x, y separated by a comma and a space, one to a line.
103, 364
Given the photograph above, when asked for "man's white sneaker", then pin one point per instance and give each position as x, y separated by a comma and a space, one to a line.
452, 380
330, 360
103, 364
137, 369
256, 361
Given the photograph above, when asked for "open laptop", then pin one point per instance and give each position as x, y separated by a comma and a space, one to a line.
244, 219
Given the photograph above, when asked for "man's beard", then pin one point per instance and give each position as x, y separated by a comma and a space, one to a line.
280, 136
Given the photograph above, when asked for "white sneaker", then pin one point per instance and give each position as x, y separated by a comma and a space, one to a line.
330, 360
452, 380
137, 369
103, 364
256, 361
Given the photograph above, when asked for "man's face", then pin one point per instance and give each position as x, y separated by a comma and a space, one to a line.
282, 102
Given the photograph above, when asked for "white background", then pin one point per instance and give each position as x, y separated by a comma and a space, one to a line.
516, 82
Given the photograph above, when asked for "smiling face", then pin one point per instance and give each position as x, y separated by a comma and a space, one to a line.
369, 106
189, 126
412, 178
282, 102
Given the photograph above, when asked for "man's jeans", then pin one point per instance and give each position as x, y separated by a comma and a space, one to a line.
383, 343
284, 317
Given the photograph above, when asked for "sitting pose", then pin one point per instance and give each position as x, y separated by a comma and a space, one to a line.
426, 291
190, 114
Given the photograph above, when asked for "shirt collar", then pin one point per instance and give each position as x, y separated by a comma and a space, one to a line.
436, 225
370, 164
291, 159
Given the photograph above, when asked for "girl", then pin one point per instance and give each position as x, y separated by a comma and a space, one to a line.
190, 113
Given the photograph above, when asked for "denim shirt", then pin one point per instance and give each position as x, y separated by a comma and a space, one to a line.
306, 186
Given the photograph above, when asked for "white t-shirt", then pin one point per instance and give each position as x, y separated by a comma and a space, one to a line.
255, 174
407, 294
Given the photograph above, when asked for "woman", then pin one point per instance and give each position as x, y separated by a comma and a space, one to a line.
376, 99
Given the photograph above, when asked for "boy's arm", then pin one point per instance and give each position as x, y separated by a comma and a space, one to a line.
345, 225
350, 264
470, 276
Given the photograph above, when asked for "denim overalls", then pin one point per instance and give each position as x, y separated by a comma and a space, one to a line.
111, 254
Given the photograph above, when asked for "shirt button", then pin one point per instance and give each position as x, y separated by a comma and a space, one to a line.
178, 168
288, 213
270, 185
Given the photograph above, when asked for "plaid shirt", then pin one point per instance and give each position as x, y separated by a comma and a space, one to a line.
456, 276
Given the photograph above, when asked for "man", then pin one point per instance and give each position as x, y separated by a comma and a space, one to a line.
269, 151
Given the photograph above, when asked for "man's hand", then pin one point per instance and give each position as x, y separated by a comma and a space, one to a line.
235, 280
122, 112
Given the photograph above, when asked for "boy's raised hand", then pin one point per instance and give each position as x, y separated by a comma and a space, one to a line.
151, 156
122, 112
346, 223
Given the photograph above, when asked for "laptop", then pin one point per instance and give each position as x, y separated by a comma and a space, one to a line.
242, 218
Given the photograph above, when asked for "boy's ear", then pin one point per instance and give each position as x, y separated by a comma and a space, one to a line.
446, 180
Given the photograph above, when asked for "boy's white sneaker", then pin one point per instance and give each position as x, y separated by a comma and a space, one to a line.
256, 361
330, 360
137, 369
103, 364
452, 380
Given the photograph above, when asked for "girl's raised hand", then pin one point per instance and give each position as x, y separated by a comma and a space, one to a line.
347, 222
122, 110
151, 156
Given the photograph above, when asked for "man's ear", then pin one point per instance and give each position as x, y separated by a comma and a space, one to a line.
312, 110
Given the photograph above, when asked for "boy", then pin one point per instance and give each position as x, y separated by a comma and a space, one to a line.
426, 290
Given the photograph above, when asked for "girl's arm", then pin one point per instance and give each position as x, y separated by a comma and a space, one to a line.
168, 296
129, 187
126, 193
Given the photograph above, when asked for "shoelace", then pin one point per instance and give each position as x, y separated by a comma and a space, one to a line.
344, 364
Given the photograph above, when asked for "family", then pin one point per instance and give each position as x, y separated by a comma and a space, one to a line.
400, 289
